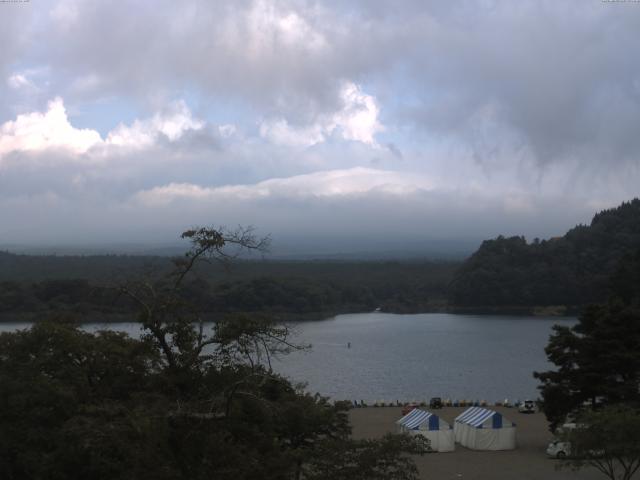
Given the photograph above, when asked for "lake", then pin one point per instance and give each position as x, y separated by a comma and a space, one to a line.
413, 357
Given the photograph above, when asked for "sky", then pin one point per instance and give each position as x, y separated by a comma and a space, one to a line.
363, 124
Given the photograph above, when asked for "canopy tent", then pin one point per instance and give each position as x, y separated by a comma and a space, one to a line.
479, 428
429, 425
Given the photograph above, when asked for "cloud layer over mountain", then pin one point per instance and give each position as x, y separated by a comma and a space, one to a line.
131, 121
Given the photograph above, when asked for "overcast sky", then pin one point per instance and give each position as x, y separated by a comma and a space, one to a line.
374, 120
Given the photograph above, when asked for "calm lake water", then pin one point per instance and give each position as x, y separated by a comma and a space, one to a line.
414, 357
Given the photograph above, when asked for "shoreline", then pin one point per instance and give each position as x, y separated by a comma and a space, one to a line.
290, 317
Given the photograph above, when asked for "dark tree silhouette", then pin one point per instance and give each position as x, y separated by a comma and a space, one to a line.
182, 402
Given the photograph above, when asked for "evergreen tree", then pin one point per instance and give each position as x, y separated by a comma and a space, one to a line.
598, 359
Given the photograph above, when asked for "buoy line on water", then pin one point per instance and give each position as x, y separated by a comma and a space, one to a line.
445, 402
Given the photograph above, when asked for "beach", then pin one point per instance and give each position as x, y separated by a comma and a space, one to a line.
527, 461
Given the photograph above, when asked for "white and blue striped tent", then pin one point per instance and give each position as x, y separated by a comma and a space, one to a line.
479, 428
429, 425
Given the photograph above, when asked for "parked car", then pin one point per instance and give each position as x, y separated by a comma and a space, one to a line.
435, 402
528, 406
408, 407
559, 449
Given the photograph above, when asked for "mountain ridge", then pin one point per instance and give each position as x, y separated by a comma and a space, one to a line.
572, 270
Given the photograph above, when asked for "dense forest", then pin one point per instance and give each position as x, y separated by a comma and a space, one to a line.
572, 270
290, 289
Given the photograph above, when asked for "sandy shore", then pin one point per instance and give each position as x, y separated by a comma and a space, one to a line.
528, 461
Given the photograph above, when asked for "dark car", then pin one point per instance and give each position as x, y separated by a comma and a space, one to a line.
435, 402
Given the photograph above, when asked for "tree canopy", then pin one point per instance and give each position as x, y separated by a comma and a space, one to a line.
608, 440
181, 402
571, 270
37, 285
598, 358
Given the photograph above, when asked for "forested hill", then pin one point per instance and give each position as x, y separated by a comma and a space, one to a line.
88, 285
572, 270
15, 267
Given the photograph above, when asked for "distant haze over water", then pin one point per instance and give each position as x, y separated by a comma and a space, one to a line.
302, 248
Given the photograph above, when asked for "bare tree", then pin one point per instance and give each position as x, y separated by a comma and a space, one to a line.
175, 325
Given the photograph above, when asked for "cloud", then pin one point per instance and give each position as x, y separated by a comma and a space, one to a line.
556, 89
270, 52
280, 132
18, 81
48, 130
333, 183
357, 120
551, 89
14, 34
65, 13
476, 116
172, 124
227, 130
172, 169
45, 149
336, 208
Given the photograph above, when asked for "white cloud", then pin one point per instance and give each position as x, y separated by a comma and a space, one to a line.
39, 131
27, 84
227, 130
51, 129
144, 133
359, 117
271, 27
281, 133
18, 81
356, 120
332, 183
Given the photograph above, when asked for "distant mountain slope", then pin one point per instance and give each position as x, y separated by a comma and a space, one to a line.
569, 270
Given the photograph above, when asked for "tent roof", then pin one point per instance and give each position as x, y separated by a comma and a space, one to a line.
415, 418
475, 416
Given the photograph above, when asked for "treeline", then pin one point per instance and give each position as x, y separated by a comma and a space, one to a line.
572, 270
287, 288
24, 268
77, 295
